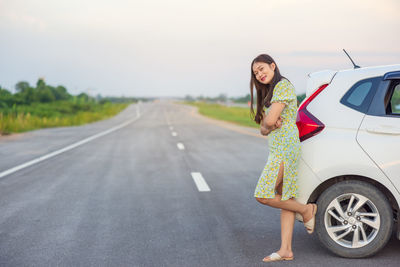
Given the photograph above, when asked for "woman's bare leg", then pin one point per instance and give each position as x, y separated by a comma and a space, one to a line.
290, 205
287, 224
288, 212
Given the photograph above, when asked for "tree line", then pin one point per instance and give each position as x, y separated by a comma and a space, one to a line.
44, 93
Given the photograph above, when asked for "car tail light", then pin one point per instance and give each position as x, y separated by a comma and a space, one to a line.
307, 124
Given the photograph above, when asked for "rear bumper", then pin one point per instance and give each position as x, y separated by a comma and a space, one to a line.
307, 182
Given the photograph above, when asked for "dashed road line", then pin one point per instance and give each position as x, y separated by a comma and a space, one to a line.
201, 184
174, 134
171, 128
180, 146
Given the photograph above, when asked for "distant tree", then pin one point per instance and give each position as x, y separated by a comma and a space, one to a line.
25, 93
83, 97
22, 86
4, 92
45, 95
40, 84
44, 92
31, 95
6, 98
60, 93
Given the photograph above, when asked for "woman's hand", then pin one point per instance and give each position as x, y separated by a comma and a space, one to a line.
278, 123
265, 130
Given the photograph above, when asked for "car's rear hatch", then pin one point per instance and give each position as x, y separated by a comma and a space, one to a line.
317, 79
307, 123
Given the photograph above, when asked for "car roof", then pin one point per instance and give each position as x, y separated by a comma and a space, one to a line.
373, 70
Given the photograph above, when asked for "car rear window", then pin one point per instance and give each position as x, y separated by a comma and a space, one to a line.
359, 96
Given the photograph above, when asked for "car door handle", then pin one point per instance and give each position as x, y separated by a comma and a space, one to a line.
384, 129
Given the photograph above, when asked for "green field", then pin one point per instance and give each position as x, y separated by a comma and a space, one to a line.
43, 105
21, 118
238, 115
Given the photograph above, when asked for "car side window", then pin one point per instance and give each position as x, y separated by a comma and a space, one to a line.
360, 95
393, 106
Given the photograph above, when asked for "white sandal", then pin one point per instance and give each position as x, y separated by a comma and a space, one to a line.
310, 225
276, 257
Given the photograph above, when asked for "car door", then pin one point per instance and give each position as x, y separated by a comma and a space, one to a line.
379, 132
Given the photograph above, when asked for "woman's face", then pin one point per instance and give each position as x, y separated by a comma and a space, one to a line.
264, 72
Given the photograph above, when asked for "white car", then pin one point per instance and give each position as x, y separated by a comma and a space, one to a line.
349, 128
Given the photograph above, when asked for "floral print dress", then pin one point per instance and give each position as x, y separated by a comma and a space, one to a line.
284, 145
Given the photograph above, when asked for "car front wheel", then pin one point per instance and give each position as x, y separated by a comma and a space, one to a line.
354, 219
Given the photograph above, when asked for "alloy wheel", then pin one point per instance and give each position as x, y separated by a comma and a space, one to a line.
352, 220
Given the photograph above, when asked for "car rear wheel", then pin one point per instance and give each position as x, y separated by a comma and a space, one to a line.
354, 219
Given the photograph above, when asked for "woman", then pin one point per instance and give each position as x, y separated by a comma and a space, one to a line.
276, 114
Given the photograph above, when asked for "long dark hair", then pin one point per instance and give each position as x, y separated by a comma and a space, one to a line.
264, 91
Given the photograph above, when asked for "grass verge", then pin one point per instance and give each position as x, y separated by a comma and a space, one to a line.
60, 113
237, 115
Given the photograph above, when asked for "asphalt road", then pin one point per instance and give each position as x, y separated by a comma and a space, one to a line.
128, 197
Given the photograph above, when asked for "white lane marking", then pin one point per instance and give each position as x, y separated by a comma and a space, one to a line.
201, 184
180, 146
62, 150
174, 134
171, 128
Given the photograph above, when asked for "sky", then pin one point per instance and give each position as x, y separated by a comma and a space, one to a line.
173, 48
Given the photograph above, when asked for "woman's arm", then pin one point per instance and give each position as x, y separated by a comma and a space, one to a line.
273, 119
273, 114
265, 130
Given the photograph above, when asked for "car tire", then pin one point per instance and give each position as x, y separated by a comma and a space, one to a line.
360, 230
